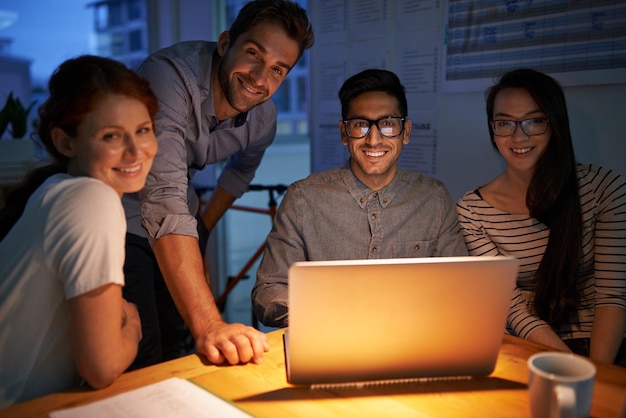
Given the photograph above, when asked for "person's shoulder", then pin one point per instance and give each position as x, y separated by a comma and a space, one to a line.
266, 112
83, 202
599, 181
587, 172
91, 186
185, 49
417, 179
87, 194
472, 201
471, 196
320, 178
189, 59
66, 185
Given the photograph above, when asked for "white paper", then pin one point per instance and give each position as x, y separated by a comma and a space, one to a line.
170, 398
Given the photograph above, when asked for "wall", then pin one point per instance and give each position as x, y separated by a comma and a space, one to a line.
409, 39
172, 21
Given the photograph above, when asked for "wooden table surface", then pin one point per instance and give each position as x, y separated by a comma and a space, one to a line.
262, 390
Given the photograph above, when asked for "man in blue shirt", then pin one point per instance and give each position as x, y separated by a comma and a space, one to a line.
369, 208
213, 106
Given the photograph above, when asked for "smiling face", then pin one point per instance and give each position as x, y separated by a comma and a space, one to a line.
374, 159
252, 68
114, 143
520, 151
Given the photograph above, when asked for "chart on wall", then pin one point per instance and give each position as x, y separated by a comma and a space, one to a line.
352, 35
577, 41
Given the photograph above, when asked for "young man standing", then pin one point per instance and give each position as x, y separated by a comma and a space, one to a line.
370, 208
213, 106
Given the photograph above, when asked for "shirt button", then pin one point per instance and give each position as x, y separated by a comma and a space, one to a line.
374, 249
361, 200
385, 200
375, 194
373, 216
417, 247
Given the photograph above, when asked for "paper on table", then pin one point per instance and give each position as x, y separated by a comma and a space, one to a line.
171, 398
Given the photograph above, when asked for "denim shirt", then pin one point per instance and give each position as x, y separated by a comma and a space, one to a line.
333, 216
190, 138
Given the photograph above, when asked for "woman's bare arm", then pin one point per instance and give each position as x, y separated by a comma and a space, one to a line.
106, 331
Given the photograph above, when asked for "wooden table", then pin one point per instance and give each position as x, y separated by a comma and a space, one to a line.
262, 390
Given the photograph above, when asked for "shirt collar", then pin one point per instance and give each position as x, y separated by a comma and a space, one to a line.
361, 193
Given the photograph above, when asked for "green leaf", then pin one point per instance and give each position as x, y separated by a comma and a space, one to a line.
14, 114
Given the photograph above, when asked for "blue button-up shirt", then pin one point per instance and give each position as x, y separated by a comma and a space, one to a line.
333, 216
190, 138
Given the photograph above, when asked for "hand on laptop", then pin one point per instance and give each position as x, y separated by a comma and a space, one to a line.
232, 343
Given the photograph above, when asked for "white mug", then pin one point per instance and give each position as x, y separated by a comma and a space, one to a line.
560, 385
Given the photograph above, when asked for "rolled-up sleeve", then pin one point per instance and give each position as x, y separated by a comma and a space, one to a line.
164, 207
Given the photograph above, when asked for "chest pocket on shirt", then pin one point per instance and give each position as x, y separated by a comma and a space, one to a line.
412, 249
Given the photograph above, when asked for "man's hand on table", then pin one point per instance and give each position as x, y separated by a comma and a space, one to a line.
232, 343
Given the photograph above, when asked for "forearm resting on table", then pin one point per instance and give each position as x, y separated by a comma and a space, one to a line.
607, 333
546, 336
181, 264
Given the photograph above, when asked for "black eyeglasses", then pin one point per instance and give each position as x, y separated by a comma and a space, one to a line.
389, 126
534, 126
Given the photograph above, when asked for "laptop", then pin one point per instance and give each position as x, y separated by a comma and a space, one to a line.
359, 321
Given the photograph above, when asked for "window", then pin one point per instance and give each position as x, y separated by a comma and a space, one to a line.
101, 16
116, 16
121, 30
134, 40
117, 43
135, 9
301, 95
281, 97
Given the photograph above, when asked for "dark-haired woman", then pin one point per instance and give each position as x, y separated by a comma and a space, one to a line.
566, 221
62, 315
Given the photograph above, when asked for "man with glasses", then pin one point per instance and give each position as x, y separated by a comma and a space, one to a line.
369, 208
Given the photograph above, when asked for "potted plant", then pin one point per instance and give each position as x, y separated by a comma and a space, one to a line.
15, 147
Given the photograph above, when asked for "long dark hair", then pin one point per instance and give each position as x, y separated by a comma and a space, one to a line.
552, 198
75, 88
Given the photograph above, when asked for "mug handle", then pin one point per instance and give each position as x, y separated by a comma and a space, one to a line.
563, 402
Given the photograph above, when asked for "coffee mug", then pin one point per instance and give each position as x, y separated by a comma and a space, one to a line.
560, 385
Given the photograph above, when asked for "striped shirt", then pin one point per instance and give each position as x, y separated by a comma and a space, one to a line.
602, 279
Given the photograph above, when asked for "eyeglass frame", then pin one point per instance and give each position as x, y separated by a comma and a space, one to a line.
521, 124
374, 122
